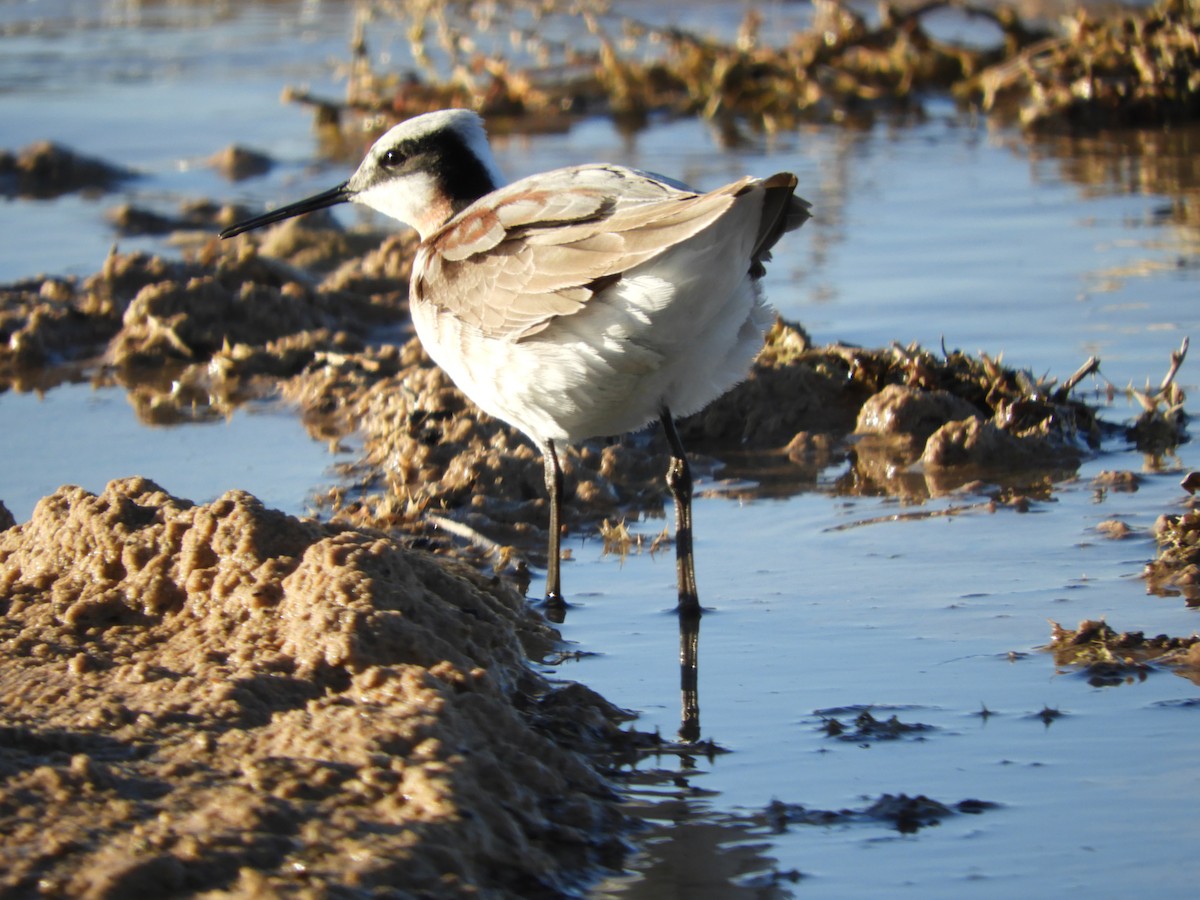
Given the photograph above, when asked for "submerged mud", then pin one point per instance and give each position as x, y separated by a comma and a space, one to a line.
226, 697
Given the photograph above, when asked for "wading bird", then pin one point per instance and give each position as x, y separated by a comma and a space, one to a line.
576, 303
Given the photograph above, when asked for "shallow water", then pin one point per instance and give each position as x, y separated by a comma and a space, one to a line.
916, 618
85, 435
939, 229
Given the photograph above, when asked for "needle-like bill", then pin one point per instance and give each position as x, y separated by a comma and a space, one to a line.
331, 197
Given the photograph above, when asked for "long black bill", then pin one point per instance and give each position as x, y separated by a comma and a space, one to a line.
331, 197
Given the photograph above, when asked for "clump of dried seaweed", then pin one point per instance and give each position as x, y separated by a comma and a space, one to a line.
1131, 68
1176, 568
544, 60
1107, 657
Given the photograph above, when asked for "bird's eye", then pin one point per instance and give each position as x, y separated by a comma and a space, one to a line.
391, 158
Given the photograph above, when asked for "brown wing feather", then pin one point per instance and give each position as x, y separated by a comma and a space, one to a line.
508, 268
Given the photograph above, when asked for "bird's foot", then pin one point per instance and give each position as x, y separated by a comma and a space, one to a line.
554, 607
689, 606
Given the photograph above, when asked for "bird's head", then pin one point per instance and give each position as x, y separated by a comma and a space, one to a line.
421, 172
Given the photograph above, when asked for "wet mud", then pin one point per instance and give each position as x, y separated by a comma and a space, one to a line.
863, 728
45, 169
906, 814
319, 316
1176, 568
223, 696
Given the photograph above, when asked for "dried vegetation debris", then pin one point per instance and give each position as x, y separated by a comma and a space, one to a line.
583, 56
429, 451
1107, 657
1176, 568
1132, 67
974, 412
223, 697
537, 60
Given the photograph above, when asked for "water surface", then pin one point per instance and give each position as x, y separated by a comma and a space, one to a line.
943, 229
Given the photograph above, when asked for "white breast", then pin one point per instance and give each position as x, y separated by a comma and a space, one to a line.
677, 331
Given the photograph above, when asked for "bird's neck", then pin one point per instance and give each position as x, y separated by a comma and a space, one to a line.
463, 177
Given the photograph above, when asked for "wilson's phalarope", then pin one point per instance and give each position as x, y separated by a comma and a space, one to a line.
576, 303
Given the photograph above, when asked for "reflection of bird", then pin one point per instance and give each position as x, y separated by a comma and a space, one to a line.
580, 302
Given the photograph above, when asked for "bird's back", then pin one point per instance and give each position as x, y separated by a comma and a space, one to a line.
583, 301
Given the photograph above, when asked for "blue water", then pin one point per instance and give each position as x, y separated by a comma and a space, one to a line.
84, 435
951, 230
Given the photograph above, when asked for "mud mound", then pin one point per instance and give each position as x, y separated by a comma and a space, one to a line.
145, 311
45, 169
223, 697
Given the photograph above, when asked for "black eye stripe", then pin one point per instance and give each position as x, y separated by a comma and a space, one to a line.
444, 156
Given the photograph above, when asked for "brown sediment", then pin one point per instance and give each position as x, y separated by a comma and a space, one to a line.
237, 163
148, 312
1120, 481
223, 697
1115, 529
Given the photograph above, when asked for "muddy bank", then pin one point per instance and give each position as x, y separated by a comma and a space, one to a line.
319, 316
223, 697
1175, 570
45, 169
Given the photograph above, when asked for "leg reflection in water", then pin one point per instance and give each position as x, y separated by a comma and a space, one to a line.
689, 675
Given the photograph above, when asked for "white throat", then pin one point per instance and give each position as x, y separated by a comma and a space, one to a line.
415, 200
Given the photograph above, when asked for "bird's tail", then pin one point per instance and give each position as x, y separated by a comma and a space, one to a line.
783, 211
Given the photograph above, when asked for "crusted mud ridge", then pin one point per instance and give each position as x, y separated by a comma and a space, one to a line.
319, 316
223, 697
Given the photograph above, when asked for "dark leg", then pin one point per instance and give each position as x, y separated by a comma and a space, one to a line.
554, 487
679, 480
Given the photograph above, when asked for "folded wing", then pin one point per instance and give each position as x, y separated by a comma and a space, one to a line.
542, 247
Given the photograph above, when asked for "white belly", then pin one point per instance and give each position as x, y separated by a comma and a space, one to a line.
678, 332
